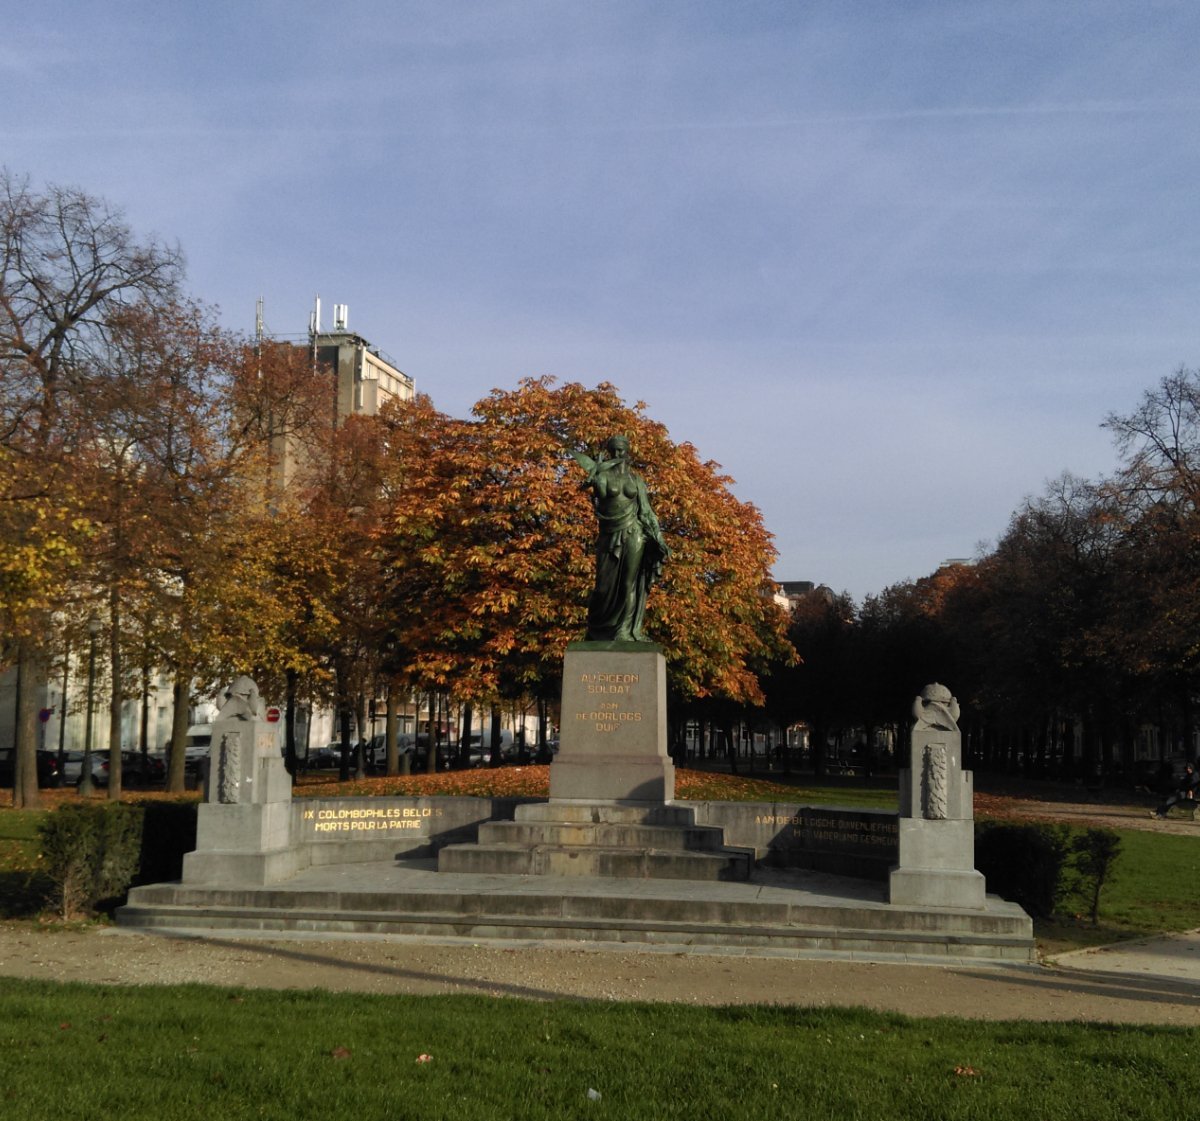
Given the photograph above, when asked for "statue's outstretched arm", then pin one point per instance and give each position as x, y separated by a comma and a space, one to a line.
593, 467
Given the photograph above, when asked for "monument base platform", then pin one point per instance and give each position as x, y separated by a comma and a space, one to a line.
777, 912
918, 887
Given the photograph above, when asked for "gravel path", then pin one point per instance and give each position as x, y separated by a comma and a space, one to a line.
110, 956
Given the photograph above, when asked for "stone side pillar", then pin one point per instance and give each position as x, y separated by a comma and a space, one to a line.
613, 731
244, 824
936, 865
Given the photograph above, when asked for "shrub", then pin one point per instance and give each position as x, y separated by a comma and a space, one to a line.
90, 852
1092, 856
1023, 863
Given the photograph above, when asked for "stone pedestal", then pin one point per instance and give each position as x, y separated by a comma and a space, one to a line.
613, 731
610, 787
244, 824
936, 865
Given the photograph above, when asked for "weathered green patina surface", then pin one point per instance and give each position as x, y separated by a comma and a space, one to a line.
630, 550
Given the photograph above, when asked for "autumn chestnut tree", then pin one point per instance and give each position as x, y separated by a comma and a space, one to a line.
490, 536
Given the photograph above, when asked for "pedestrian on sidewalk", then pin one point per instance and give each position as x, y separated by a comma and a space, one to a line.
1185, 791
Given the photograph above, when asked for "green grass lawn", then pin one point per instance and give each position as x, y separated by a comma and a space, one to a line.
1155, 884
186, 1052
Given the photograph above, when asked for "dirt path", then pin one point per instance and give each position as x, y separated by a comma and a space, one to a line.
1130, 815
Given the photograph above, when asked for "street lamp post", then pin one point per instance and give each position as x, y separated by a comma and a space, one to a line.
85, 774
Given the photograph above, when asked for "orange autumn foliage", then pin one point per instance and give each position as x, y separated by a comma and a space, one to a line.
490, 536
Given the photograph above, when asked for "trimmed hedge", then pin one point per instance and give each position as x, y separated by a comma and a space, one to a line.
90, 851
94, 852
1023, 863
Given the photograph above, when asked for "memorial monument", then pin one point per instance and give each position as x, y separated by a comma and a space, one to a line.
936, 863
613, 728
243, 827
612, 783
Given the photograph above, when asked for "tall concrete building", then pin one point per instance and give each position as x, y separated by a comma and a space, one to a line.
360, 378
365, 377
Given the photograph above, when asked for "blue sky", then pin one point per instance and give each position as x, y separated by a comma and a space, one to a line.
890, 264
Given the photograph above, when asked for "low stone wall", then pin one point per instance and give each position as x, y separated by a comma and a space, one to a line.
349, 830
845, 841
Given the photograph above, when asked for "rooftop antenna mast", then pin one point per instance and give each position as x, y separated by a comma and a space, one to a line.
314, 328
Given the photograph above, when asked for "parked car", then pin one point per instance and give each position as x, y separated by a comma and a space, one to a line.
73, 768
47, 768
142, 770
415, 749
323, 758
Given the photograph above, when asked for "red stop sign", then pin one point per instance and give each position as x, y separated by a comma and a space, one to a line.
273, 714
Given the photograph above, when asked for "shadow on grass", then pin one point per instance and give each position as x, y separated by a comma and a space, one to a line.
301, 956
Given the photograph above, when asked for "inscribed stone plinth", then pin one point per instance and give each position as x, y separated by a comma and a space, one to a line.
936, 863
613, 731
243, 827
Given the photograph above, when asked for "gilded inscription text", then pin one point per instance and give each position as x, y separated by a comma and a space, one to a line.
608, 716
370, 819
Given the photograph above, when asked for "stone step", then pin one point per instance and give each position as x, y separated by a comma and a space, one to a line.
587, 903
524, 859
615, 813
446, 916
694, 838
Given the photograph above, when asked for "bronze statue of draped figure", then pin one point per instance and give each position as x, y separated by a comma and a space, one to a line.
630, 550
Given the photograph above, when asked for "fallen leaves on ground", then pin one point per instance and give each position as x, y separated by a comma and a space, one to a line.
533, 782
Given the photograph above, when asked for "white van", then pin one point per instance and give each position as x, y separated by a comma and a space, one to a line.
198, 735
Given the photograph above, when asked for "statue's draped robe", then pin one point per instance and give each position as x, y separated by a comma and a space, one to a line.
629, 558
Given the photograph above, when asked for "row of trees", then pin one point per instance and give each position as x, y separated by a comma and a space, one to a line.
1082, 623
135, 470
143, 484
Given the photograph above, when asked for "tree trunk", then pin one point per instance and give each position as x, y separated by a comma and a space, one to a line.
31, 680
818, 743
344, 742
289, 725
464, 735
730, 747
114, 696
543, 754
360, 717
181, 690
495, 736
431, 754
63, 710
144, 723
390, 725
343, 714
1189, 726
